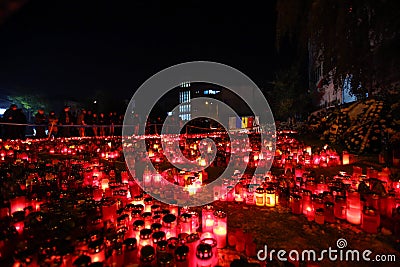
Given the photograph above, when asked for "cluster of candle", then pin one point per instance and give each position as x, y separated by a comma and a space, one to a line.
353, 198
29, 149
81, 213
77, 209
290, 153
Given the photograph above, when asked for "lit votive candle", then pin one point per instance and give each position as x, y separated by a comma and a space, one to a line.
220, 228
319, 216
96, 251
270, 197
204, 256
260, 196
370, 220
207, 218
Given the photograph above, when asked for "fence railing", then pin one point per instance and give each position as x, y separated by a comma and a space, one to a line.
9, 130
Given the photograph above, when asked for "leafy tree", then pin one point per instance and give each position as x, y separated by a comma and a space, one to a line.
358, 37
289, 95
29, 102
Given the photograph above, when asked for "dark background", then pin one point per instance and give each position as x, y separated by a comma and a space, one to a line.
80, 49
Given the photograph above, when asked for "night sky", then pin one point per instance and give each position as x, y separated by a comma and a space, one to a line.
70, 48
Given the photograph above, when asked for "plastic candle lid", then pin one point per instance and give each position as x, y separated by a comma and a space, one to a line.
96, 246
186, 217
162, 245
156, 227
82, 260
169, 218
147, 253
204, 251
220, 214
260, 190
192, 238
138, 224
158, 236
139, 207
130, 243
145, 233
165, 259
182, 237
181, 253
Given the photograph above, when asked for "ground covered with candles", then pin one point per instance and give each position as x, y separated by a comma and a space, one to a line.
73, 202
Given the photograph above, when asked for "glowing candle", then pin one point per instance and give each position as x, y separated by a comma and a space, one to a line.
230, 193
319, 216
138, 200
370, 220
173, 208
192, 241
137, 226
296, 204
204, 255
148, 202
145, 237
353, 212
131, 252
147, 256
270, 197
17, 204
186, 223
96, 251
148, 219
346, 158
181, 256
329, 212
260, 197
306, 203
19, 226
104, 184
169, 225
340, 207
220, 228
250, 194
203, 162
97, 194
109, 210
388, 205
213, 243
124, 177
217, 192
308, 150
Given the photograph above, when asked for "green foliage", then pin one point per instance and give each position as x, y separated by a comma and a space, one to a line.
30, 102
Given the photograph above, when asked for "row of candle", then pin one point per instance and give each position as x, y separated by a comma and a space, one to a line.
144, 236
322, 202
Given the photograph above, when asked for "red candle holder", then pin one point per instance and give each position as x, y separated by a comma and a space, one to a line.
296, 204
340, 207
370, 220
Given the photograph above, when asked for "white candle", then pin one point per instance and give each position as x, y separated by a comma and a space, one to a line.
220, 235
353, 215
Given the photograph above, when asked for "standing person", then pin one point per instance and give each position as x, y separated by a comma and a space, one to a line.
94, 123
66, 119
9, 116
102, 123
136, 124
111, 121
41, 122
80, 120
21, 119
53, 120
89, 121
119, 121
